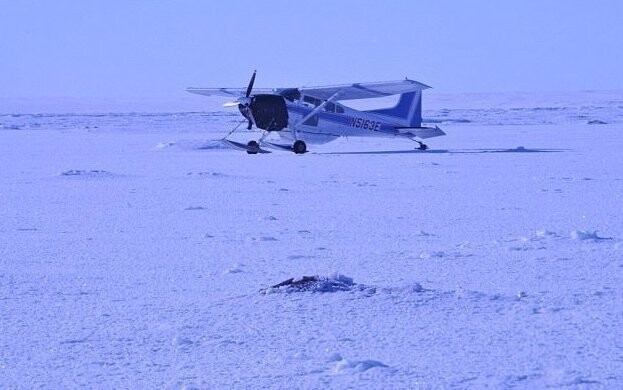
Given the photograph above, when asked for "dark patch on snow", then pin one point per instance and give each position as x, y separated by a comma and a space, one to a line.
94, 173
10, 127
339, 283
315, 283
194, 208
208, 174
582, 235
300, 257
414, 288
74, 341
596, 122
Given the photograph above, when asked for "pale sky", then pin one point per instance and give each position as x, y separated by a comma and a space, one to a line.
133, 49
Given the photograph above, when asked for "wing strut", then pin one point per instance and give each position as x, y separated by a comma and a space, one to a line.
313, 112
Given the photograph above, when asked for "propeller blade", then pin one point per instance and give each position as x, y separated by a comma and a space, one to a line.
250, 87
230, 104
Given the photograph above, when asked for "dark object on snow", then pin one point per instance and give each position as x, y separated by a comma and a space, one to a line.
597, 122
313, 284
305, 281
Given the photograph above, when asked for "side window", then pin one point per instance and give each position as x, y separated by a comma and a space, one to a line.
339, 109
312, 100
329, 107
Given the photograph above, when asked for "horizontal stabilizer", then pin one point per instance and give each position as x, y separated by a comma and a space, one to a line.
421, 132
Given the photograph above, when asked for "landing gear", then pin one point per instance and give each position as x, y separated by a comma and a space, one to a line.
422, 146
253, 147
299, 147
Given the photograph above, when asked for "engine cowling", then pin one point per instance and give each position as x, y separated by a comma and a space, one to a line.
269, 112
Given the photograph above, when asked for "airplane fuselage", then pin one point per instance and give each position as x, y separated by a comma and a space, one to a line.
329, 124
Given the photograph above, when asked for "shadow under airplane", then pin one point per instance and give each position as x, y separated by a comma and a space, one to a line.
519, 149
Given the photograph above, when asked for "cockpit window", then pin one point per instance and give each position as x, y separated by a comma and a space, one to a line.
312, 100
329, 107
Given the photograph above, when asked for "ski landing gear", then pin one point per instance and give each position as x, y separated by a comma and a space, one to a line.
253, 147
422, 146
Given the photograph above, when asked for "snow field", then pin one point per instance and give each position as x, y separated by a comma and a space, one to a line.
139, 252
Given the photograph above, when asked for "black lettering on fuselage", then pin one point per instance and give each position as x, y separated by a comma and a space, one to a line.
365, 124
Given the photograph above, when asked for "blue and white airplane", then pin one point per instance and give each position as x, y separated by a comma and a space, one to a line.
314, 114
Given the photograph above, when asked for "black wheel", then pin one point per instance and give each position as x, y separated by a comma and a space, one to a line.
253, 147
422, 146
299, 147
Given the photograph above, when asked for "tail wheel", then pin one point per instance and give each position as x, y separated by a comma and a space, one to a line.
299, 147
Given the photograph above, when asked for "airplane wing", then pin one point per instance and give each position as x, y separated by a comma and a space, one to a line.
364, 90
346, 91
236, 92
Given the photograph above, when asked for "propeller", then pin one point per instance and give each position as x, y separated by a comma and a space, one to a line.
245, 101
251, 82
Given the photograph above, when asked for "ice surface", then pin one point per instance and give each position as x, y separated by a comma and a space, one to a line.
134, 246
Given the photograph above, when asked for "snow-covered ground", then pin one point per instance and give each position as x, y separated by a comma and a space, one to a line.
137, 252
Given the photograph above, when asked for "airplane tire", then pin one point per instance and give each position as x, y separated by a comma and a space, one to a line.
299, 147
253, 147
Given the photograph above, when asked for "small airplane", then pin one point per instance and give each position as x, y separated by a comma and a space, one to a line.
313, 114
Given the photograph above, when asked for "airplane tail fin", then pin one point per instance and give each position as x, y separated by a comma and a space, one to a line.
407, 112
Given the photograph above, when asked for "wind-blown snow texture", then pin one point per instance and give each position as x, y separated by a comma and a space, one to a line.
136, 251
